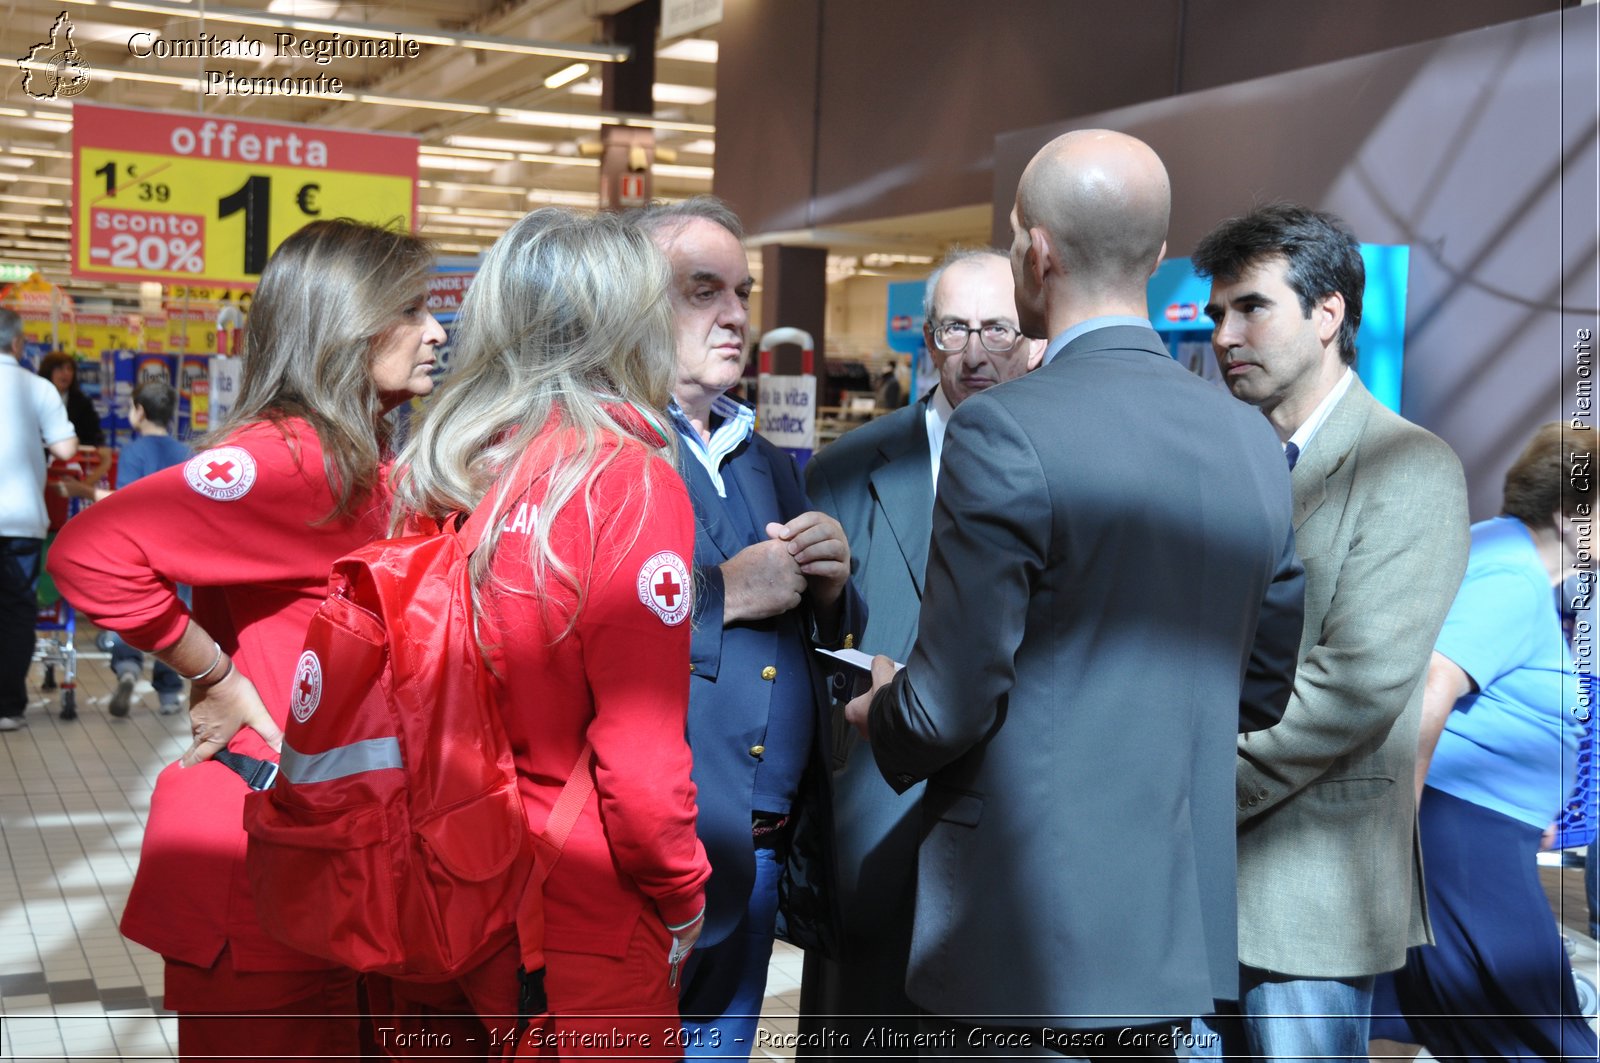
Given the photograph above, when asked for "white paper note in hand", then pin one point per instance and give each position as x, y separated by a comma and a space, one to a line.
855, 659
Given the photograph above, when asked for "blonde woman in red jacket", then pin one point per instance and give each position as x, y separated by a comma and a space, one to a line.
563, 360
339, 333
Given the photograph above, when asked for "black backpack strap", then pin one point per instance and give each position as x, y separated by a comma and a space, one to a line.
257, 774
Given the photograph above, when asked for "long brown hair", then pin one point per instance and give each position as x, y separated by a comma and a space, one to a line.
328, 297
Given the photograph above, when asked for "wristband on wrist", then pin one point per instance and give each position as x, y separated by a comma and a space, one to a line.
226, 672
214, 662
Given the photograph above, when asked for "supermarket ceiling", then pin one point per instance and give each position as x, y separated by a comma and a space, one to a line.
505, 96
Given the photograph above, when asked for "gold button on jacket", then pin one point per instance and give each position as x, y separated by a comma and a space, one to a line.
769, 673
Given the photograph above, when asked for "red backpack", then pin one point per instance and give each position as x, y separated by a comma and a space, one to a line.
393, 839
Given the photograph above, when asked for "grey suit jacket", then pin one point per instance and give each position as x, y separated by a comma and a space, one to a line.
877, 482
1109, 534
1329, 863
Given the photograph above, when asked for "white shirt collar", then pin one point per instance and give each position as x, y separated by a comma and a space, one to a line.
936, 418
1308, 428
738, 424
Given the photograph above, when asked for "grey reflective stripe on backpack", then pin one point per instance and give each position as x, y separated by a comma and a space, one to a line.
372, 754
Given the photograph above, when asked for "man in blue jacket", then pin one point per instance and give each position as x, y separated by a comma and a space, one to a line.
772, 582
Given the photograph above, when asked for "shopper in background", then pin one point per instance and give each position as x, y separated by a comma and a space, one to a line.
888, 395
878, 480
1110, 560
772, 581
152, 449
61, 369
552, 418
1496, 760
338, 334
1330, 890
33, 419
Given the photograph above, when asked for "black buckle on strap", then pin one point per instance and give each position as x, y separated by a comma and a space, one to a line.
257, 774
531, 999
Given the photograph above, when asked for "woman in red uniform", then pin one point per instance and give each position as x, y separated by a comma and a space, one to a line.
564, 357
339, 333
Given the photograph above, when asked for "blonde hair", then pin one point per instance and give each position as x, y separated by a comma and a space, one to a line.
328, 298
567, 317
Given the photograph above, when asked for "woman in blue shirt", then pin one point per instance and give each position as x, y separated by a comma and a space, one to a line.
1497, 751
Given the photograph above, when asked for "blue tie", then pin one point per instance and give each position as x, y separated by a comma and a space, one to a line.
1291, 453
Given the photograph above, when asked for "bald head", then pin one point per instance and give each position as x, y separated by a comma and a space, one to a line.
1101, 201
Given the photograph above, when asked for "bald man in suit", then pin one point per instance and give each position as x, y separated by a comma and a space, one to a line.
1111, 596
878, 481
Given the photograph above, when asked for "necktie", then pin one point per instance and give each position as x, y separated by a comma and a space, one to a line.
1291, 454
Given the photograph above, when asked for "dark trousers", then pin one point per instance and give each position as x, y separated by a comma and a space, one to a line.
19, 612
124, 658
1497, 983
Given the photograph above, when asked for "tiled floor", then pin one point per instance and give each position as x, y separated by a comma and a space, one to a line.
73, 798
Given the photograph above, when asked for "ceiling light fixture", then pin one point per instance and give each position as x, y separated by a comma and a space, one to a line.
594, 53
448, 162
471, 153
701, 173
470, 212
661, 92
557, 160
566, 75
457, 186
486, 145
458, 106
37, 178
690, 50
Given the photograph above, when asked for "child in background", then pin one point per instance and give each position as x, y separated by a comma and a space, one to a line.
154, 449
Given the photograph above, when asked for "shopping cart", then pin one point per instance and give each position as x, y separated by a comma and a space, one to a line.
55, 628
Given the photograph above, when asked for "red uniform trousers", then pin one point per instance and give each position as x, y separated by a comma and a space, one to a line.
601, 1007
262, 1016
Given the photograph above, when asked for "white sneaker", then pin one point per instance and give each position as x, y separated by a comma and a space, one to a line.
12, 723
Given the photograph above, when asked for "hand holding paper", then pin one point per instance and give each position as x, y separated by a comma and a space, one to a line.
883, 671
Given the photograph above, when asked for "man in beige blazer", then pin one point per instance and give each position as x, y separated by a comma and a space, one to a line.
1330, 890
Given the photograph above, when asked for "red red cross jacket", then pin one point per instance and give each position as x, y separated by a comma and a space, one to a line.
240, 524
619, 678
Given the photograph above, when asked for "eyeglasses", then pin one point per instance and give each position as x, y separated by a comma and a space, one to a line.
996, 339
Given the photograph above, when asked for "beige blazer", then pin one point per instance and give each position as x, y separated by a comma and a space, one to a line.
1330, 869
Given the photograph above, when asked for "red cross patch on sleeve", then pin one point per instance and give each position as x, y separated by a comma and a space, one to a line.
664, 587
224, 473
306, 694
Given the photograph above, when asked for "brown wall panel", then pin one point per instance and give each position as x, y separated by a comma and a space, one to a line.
914, 91
911, 93
1231, 40
766, 107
